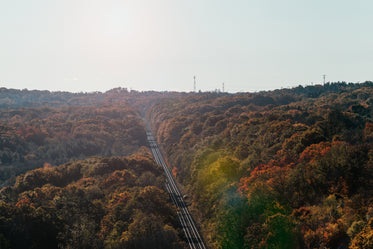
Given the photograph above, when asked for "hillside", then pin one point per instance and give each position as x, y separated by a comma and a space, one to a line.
117, 200
289, 168
32, 137
94, 203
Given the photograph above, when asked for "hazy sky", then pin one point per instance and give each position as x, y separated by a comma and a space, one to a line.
89, 45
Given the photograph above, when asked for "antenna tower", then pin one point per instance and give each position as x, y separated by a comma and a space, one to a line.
223, 87
324, 76
194, 87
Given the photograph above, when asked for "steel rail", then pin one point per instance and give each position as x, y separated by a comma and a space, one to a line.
192, 235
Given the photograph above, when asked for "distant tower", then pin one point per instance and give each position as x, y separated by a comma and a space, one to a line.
194, 77
324, 76
222, 87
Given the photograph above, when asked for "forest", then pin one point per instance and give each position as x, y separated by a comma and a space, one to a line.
289, 168
116, 202
32, 137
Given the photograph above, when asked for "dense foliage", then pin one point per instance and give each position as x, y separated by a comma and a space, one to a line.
95, 203
32, 137
291, 168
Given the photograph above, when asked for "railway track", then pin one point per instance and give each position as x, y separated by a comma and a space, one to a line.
192, 235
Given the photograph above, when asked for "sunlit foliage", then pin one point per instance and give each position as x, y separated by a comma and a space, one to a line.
290, 168
95, 203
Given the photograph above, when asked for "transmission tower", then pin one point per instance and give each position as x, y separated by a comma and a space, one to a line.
194, 87
324, 76
222, 87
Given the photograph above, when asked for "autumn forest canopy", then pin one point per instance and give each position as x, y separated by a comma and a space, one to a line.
289, 168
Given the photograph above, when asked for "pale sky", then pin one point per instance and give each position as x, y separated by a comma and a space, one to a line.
92, 45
